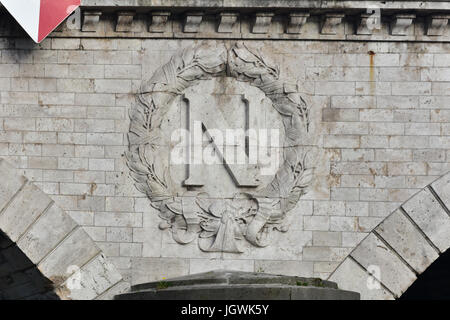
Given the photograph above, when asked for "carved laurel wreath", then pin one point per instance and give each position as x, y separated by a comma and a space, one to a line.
217, 223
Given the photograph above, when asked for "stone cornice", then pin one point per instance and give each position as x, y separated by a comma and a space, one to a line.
257, 19
268, 4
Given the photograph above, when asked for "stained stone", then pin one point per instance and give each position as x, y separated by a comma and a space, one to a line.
442, 189
407, 240
373, 252
351, 276
425, 210
237, 285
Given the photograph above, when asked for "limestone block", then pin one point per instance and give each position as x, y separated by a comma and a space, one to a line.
11, 183
74, 251
262, 22
407, 241
296, 22
118, 219
411, 88
327, 208
337, 88
437, 24
65, 44
330, 22
292, 268
357, 209
119, 204
367, 22
124, 21
343, 223
205, 265
425, 210
119, 234
192, 22
352, 239
130, 250
46, 233
442, 189
93, 279
227, 20
350, 276
401, 23
316, 254
160, 268
23, 211
91, 21
123, 72
113, 57
316, 223
159, 21
366, 224
324, 238
394, 274
90, 203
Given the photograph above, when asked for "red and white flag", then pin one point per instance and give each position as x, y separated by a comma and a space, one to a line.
40, 17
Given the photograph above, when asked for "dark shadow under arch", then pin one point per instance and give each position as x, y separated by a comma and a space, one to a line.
19, 277
433, 283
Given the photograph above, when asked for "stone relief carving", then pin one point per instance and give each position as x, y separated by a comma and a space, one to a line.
219, 224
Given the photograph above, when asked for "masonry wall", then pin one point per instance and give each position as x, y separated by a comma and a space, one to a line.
380, 111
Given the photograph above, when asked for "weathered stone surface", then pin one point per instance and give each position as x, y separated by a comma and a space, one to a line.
330, 23
161, 268
23, 210
425, 210
233, 285
91, 21
125, 21
192, 22
45, 234
394, 274
401, 24
97, 276
262, 21
158, 21
352, 277
407, 241
74, 251
11, 183
406, 5
296, 22
44, 231
368, 22
442, 189
437, 24
227, 21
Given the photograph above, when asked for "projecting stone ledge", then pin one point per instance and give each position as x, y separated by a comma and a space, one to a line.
237, 285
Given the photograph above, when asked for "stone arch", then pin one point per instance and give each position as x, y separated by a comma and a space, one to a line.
401, 247
39, 240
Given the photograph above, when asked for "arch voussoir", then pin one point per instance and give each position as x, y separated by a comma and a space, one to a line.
387, 262
54, 245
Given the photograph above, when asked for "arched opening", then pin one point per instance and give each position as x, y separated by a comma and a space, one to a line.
19, 277
433, 283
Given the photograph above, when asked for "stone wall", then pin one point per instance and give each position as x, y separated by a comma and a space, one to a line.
44, 254
379, 112
401, 247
